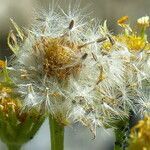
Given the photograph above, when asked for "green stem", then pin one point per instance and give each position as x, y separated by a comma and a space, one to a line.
13, 147
117, 147
143, 33
57, 134
119, 140
122, 133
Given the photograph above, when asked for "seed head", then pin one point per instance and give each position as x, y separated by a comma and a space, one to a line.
60, 56
143, 21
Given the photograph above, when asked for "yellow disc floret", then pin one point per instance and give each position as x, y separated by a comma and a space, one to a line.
106, 46
8, 100
2, 64
140, 135
133, 42
122, 20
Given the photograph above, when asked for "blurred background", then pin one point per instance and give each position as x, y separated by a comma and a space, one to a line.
76, 137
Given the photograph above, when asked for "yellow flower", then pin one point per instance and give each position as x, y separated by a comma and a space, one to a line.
140, 135
8, 100
11, 104
106, 46
2, 64
122, 21
133, 42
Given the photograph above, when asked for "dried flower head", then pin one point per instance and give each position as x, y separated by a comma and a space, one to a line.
61, 56
135, 56
143, 21
77, 71
17, 126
